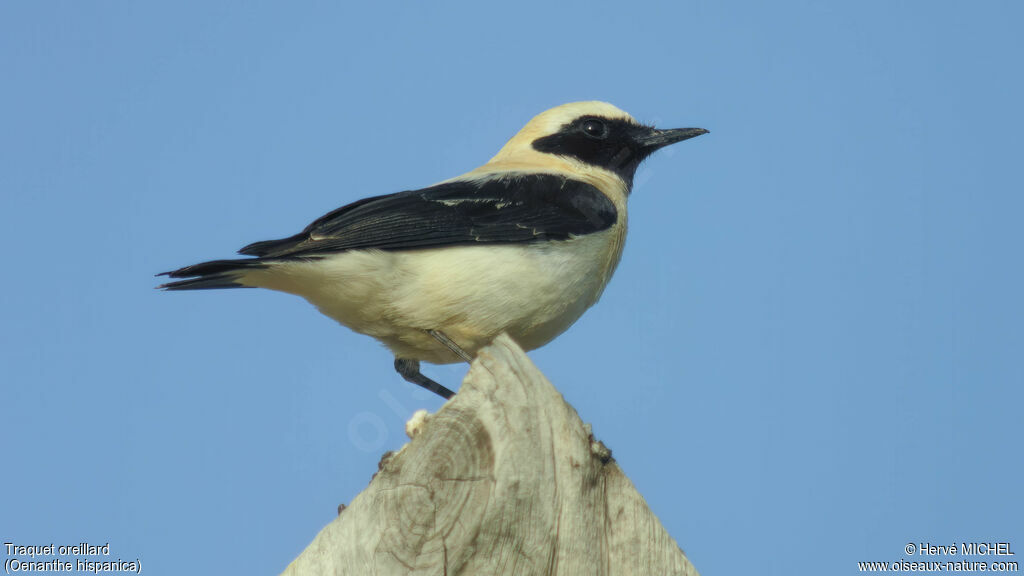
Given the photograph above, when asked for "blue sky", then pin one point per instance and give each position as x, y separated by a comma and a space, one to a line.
809, 356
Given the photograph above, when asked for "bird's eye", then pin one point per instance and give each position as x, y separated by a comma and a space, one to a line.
595, 128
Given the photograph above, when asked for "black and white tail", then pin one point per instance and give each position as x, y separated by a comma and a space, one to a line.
211, 275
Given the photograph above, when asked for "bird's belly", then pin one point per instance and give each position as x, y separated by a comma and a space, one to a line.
471, 293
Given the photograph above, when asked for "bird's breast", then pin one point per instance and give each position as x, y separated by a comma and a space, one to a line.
533, 291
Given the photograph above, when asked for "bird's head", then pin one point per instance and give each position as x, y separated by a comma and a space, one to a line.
590, 135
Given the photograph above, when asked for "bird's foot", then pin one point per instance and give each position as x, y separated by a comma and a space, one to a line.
410, 370
451, 345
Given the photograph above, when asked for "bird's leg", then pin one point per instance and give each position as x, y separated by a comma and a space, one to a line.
451, 345
410, 370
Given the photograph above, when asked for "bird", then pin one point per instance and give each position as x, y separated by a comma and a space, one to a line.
522, 245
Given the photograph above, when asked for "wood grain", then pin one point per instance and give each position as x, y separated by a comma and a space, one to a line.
504, 479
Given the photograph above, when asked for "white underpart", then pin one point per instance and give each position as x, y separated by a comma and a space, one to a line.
471, 293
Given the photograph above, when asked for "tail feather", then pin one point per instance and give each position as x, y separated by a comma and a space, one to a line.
269, 247
211, 275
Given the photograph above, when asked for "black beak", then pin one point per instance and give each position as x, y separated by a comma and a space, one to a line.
655, 138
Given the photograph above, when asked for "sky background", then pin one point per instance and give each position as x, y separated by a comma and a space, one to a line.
810, 355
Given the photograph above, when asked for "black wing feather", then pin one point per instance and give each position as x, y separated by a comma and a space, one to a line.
510, 209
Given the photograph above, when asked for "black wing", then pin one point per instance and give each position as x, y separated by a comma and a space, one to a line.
511, 209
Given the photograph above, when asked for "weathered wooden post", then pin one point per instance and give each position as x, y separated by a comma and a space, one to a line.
504, 479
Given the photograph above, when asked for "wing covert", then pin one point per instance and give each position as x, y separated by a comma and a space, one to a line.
511, 209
